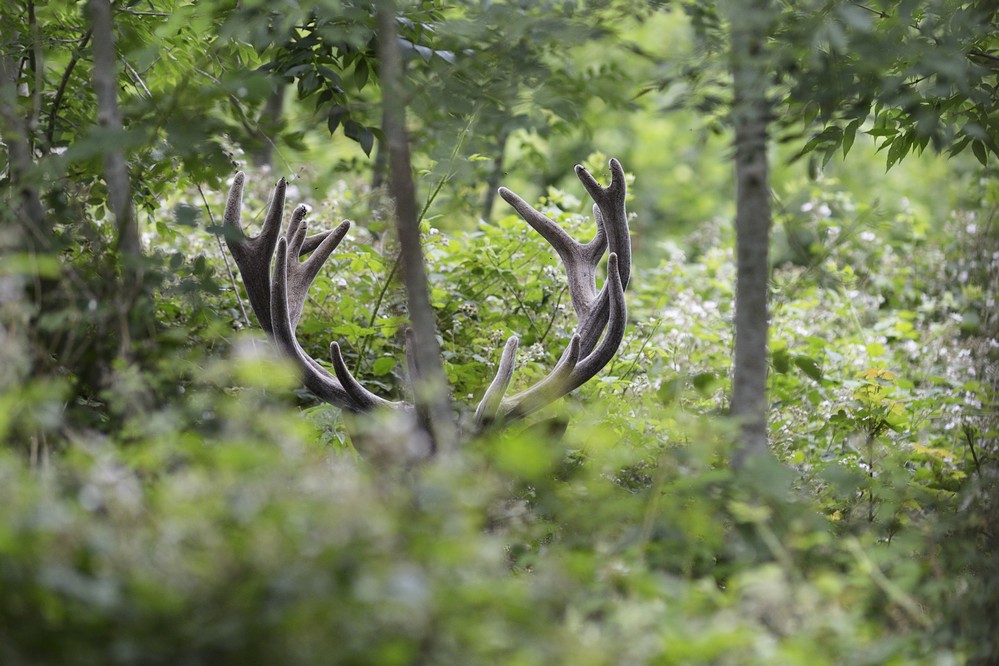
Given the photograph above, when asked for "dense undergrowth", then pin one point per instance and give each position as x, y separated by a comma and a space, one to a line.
204, 510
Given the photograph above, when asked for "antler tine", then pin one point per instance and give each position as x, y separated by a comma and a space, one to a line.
613, 215
580, 260
548, 389
302, 273
493, 397
617, 323
364, 398
317, 379
253, 255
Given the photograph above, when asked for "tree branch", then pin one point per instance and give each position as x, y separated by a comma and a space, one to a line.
63, 82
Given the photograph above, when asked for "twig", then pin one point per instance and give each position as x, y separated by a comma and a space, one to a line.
983, 54
136, 78
992, 61
876, 12
244, 117
450, 167
551, 321
894, 593
134, 12
645, 343
971, 446
61, 90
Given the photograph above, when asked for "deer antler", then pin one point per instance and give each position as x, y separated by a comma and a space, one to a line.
278, 299
278, 302
598, 313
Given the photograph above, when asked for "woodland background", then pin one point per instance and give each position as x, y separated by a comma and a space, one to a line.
171, 495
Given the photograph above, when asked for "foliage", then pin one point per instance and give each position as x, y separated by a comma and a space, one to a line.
933, 87
912, 74
187, 502
218, 525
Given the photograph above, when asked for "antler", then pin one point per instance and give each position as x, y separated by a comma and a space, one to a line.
602, 313
278, 299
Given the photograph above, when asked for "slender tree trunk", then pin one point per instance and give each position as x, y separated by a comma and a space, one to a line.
105, 80
495, 176
15, 132
429, 381
751, 114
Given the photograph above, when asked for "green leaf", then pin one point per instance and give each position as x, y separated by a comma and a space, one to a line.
367, 140
337, 114
849, 134
809, 366
358, 132
670, 390
361, 72
781, 361
383, 366
978, 148
895, 152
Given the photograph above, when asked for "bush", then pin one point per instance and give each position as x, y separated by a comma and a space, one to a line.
195, 515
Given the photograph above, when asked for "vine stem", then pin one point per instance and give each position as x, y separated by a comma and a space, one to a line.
225, 258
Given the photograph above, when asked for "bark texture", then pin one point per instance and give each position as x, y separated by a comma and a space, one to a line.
751, 116
105, 80
31, 212
430, 383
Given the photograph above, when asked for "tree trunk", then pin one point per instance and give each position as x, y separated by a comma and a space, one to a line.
109, 118
495, 176
429, 381
751, 115
15, 132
